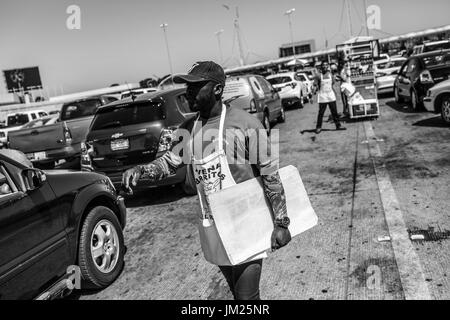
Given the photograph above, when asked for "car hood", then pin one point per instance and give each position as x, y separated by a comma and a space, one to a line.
442, 85
65, 181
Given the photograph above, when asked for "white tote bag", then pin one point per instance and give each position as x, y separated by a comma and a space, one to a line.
243, 215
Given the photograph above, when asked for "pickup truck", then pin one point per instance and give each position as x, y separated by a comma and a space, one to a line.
15, 121
45, 145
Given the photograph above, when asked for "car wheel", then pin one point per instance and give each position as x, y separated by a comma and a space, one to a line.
282, 117
415, 103
101, 247
266, 122
445, 109
398, 98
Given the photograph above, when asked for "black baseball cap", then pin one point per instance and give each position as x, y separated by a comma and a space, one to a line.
202, 71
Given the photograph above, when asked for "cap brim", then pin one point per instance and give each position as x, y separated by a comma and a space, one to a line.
187, 78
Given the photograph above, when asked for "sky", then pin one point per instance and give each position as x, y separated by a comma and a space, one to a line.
121, 40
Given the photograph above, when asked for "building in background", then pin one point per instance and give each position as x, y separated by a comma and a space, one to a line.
301, 47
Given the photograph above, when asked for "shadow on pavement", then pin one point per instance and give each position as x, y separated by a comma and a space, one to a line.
403, 107
152, 196
434, 122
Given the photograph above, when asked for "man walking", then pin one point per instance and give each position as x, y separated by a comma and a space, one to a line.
215, 169
326, 96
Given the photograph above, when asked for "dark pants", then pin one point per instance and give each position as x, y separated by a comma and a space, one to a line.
334, 114
345, 103
243, 279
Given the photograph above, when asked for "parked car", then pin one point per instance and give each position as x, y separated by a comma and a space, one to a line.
128, 133
51, 220
257, 96
386, 72
418, 74
41, 143
136, 92
437, 100
15, 121
63, 139
431, 46
293, 90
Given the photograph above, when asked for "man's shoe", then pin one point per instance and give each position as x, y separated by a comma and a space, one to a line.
318, 131
341, 128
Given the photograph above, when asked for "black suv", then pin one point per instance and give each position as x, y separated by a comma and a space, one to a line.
418, 74
135, 131
52, 220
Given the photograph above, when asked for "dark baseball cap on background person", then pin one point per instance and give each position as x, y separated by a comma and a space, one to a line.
202, 71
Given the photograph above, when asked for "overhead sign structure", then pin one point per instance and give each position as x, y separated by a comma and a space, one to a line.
22, 79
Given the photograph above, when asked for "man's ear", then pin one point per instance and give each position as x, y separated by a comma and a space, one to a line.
218, 90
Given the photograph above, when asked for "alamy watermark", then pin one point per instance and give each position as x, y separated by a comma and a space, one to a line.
73, 21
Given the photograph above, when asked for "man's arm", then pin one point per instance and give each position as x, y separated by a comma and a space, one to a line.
159, 168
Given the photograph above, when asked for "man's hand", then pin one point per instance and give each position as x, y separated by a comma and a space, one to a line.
132, 174
280, 237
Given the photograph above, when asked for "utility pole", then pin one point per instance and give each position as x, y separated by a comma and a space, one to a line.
365, 14
288, 14
218, 33
164, 26
238, 33
349, 18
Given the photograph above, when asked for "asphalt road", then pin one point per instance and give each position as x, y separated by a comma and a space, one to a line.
358, 194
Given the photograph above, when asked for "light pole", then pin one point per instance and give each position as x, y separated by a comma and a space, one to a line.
288, 13
164, 26
218, 33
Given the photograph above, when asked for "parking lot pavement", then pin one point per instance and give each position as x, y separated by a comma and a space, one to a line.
340, 258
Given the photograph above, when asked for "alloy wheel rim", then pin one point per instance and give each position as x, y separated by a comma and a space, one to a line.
105, 246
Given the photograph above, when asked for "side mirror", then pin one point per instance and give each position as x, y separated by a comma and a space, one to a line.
34, 178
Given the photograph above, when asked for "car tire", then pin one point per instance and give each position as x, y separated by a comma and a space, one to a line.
445, 109
282, 117
415, 102
99, 272
398, 98
266, 122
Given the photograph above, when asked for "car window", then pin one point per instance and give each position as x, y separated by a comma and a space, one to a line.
42, 114
110, 99
80, 109
33, 116
128, 114
266, 87
235, 87
279, 80
7, 186
17, 119
183, 104
256, 87
412, 66
300, 77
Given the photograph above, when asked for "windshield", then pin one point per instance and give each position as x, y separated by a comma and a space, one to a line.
128, 114
17, 119
279, 80
80, 109
300, 77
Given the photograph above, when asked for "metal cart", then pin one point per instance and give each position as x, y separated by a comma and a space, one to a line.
360, 55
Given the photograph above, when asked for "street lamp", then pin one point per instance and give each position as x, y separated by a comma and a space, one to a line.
164, 26
288, 13
218, 33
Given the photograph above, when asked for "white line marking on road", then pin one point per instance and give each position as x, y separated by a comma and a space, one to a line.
408, 263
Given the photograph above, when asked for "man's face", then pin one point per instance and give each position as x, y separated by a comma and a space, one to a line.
325, 67
201, 97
